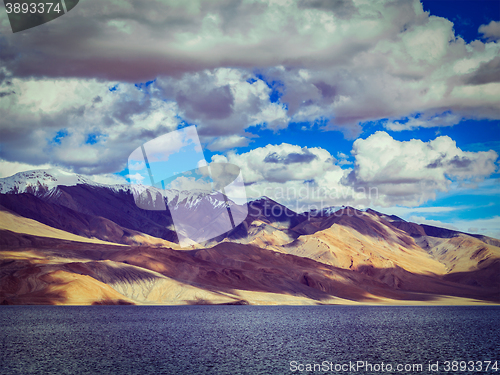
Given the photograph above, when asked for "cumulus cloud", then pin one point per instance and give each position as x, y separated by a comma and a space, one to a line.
490, 31
80, 125
338, 60
293, 175
488, 72
446, 119
225, 143
217, 65
294, 157
488, 227
8, 169
282, 163
410, 173
223, 102
386, 172
183, 183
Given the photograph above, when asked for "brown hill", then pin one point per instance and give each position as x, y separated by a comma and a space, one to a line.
46, 270
52, 251
78, 223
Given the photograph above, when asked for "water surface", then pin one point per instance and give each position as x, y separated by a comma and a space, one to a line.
241, 339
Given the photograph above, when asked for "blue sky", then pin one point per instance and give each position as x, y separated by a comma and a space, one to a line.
473, 202
466, 16
317, 102
469, 134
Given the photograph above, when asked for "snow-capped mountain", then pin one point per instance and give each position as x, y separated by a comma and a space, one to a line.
44, 183
40, 181
273, 250
78, 204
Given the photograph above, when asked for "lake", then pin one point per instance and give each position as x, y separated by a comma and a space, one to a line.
249, 339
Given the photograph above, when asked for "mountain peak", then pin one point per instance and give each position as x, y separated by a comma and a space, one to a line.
41, 180
390, 218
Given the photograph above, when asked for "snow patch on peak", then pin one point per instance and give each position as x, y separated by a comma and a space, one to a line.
331, 210
44, 183
327, 211
40, 181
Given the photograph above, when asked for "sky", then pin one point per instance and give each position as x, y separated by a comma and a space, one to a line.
392, 105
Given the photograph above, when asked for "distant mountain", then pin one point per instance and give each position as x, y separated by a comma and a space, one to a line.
47, 184
39, 182
335, 255
76, 204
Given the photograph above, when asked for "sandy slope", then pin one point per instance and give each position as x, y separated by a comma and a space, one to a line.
81, 289
337, 260
47, 270
19, 224
16, 223
373, 239
48, 284
70, 281
345, 247
460, 253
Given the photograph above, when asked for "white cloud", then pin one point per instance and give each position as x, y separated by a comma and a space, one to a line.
488, 227
386, 173
108, 179
295, 176
223, 103
122, 119
282, 163
342, 159
135, 178
183, 183
491, 31
346, 62
410, 173
224, 143
184, 140
8, 169
435, 223
97, 128
446, 119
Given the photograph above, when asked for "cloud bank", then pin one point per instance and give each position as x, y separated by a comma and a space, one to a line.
386, 172
87, 89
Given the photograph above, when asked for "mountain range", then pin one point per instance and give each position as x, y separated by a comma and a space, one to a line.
65, 239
